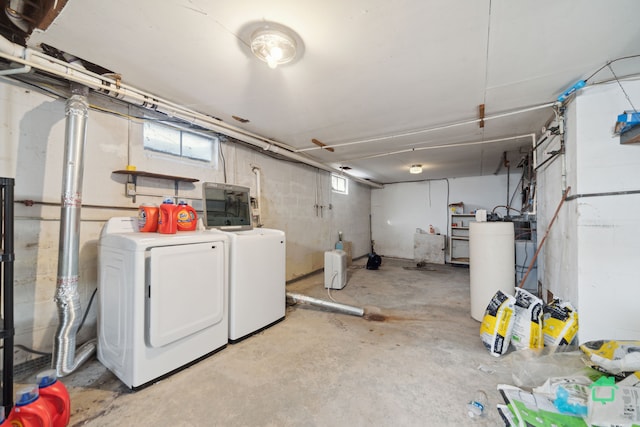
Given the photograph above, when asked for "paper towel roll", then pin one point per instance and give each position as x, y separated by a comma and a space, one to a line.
491, 263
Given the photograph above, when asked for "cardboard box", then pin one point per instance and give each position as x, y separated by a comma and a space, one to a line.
456, 208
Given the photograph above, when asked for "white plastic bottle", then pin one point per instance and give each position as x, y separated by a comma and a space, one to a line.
477, 406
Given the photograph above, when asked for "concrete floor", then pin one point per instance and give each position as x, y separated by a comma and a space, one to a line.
319, 368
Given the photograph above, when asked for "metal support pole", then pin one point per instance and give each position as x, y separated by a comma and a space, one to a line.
6, 267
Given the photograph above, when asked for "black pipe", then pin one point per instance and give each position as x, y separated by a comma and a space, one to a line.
554, 154
8, 257
535, 147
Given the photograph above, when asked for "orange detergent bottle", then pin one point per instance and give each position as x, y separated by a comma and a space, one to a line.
148, 217
187, 217
167, 222
54, 394
30, 409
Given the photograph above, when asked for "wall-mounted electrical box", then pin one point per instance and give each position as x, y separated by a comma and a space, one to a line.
628, 127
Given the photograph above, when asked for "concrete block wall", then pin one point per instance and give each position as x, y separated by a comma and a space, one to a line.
32, 127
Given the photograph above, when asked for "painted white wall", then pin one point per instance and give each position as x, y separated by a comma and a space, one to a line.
32, 127
590, 256
398, 209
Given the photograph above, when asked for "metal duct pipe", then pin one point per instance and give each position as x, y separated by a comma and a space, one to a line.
335, 306
15, 12
67, 298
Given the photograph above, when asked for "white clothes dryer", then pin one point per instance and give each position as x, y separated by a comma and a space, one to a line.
163, 300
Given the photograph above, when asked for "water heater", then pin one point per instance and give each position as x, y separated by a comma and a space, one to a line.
335, 269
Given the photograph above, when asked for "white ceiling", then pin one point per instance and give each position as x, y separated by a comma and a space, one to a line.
369, 70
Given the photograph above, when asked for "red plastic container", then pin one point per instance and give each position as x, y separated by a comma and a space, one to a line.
30, 409
6, 420
187, 217
148, 218
168, 221
55, 394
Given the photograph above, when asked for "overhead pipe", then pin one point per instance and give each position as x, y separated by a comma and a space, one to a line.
433, 129
11, 71
65, 356
16, 50
433, 147
115, 89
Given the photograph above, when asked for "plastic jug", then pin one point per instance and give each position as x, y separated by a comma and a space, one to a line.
187, 217
148, 218
6, 420
30, 410
55, 394
167, 221
339, 244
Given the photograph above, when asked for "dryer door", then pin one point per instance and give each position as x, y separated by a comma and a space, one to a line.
185, 290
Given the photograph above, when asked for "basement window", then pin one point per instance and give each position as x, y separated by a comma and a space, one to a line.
178, 142
339, 184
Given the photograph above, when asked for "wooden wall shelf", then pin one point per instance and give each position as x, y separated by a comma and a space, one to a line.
131, 190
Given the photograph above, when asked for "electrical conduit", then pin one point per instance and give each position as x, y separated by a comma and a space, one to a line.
258, 214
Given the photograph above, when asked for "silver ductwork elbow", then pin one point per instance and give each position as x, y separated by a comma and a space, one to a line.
65, 357
15, 12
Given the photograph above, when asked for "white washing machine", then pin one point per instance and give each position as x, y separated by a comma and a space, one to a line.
163, 300
257, 294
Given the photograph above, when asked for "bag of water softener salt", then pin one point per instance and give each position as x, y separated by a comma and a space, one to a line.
560, 323
527, 326
497, 323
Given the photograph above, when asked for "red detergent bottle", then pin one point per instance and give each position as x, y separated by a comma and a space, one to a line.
55, 394
187, 217
30, 410
167, 221
5, 420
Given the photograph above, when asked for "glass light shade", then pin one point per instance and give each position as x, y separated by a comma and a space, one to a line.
415, 169
273, 46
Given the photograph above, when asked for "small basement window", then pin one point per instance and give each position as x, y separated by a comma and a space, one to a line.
339, 184
177, 142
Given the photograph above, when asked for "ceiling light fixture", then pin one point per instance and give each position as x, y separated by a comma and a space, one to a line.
415, 169
275, 46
